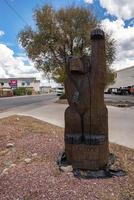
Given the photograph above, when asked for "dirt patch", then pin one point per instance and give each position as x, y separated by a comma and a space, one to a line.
120, 104
40, 178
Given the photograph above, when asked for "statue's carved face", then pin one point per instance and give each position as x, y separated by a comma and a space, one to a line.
78, 65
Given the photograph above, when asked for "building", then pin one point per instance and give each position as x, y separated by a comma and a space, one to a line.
45, 89
125, 77
20, 82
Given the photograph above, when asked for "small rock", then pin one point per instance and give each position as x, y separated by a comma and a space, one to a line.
8, 162
67, 168
2, 153
17, 119
111, 159
117, 173
97, 174
28, 160
114, 167
12, 165
5, 171
10, 145
34, 155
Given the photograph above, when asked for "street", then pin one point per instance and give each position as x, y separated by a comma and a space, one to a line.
29, 101
121, 120
40, 100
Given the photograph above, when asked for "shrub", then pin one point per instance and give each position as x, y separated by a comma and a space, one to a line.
19, 91
29, 91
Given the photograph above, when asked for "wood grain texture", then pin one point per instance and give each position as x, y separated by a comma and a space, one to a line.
86, 118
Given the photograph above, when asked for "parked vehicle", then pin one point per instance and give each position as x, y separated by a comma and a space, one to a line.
132, 89
111, 91
60, 90
129, 89
121, 91
126, 90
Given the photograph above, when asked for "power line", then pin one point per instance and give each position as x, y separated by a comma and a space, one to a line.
15, 11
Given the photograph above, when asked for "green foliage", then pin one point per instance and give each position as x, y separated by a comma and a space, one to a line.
59, 75
111, 75
19, 91
59, 34
29, 91
22, 91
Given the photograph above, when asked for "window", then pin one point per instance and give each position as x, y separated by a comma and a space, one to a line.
28, 83
23, 84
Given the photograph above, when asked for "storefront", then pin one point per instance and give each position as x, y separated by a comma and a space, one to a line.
10, 84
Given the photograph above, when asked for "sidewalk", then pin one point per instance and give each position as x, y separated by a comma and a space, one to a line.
121, 120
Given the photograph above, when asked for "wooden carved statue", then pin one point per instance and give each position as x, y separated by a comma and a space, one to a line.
86, 119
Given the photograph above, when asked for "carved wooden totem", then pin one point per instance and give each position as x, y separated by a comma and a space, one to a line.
86, 119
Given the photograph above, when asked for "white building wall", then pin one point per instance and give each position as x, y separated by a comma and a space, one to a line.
6, 85
36, 86
23, 82
125, 77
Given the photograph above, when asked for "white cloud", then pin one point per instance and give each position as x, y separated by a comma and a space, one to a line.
18, 66
121, 8
2, 33
14, 66
124, 37
89, 1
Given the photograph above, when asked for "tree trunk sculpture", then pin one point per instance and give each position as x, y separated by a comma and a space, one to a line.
86, 118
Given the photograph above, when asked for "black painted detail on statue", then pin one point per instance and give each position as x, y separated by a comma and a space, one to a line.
86, 139
73, 139
94, 139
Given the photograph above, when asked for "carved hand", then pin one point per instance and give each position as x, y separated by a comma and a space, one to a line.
75, 98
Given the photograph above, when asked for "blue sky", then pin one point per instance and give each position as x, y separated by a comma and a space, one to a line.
116, 16
11, 23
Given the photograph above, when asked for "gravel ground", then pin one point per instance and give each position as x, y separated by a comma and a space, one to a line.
28, 171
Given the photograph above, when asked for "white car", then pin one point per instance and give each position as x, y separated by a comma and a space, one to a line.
60, 90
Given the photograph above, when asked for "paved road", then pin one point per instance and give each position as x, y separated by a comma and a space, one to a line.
32, 101
40, 100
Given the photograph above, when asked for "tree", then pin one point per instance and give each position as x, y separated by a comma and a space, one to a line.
60, 34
